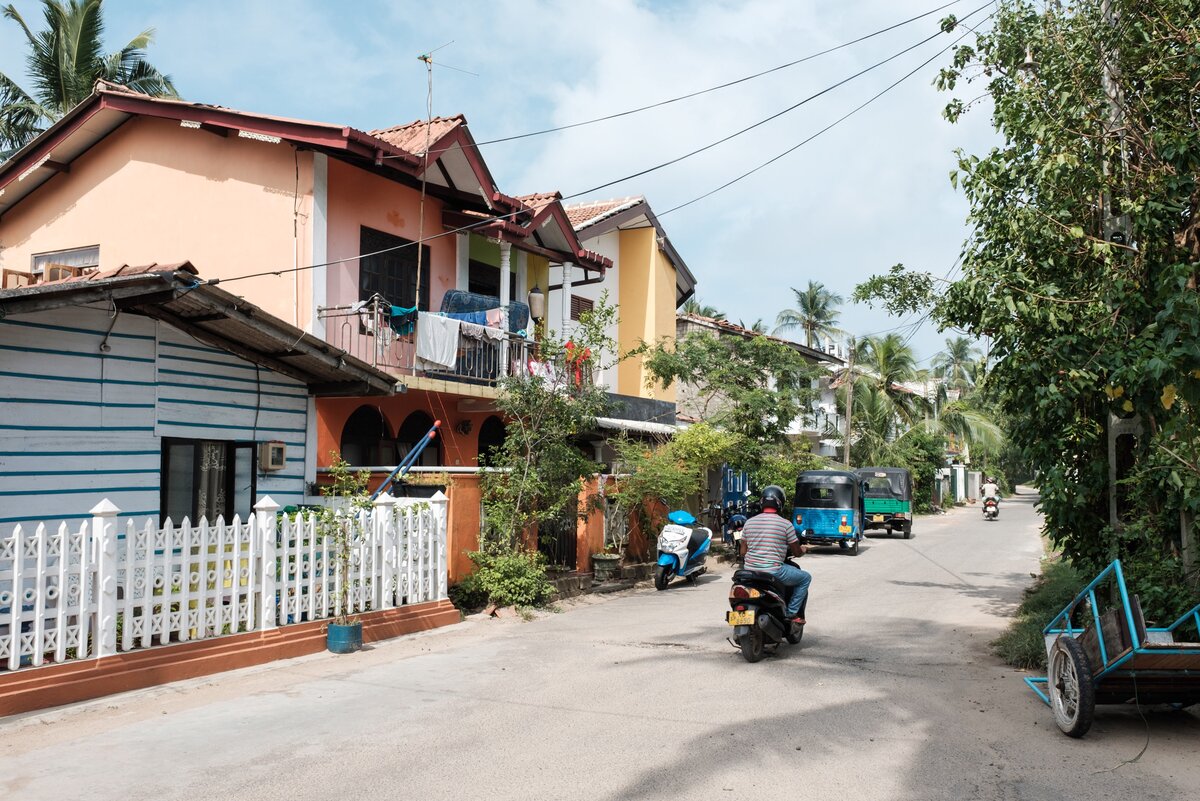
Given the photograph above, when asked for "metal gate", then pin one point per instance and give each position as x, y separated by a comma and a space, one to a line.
557, 540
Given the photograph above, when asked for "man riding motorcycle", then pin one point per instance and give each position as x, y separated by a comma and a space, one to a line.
990, 490
767, 539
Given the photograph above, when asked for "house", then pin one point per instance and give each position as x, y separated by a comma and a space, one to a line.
165, 395
317, 224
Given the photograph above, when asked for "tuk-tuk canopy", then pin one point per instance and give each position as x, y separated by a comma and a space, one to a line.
887, 482
826, 489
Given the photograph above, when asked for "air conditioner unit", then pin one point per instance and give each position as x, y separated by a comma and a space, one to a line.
272, 456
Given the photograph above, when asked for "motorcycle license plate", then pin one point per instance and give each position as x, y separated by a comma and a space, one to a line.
877, 518
740, 618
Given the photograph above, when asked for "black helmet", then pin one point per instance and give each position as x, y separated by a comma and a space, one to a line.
773, 496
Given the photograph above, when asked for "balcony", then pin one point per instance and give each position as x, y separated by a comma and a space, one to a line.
483, 357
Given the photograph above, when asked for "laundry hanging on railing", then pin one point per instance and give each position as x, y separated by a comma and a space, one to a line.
473, 317
458, 301
403, 320
437, 341
474, 331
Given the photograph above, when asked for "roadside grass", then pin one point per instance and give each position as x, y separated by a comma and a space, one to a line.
1021, 645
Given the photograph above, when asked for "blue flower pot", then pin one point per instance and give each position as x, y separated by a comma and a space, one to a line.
343, 639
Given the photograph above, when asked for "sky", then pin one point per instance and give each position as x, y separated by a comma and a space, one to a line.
871, 192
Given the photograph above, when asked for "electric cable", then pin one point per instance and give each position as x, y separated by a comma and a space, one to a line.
491, 219
718, 87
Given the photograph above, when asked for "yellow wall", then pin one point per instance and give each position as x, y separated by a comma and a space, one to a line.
153, 192
647, 307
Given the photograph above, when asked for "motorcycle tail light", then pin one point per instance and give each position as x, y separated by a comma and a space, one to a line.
739, 591
843, 520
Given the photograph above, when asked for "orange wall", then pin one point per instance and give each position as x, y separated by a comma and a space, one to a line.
153, 192
358, 198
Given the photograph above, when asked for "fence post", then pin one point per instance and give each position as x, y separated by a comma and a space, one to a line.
104, 535
440, 503
383, 522
265, 529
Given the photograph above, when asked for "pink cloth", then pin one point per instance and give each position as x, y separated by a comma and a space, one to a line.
495, 317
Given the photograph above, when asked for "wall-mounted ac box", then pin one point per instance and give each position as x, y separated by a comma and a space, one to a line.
272, 456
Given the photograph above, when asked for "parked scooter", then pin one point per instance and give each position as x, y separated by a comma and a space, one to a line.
991, 509
736, 524
682, 548
758, 613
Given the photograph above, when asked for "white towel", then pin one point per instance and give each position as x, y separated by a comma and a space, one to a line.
437, 341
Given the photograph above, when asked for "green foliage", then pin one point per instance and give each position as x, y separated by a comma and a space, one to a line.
1021, 645
65, 60
780, 467
1082, 326
922, 452
342, 519
816, 313
693, 305
753, 387
469, 594
541, 466
511, 578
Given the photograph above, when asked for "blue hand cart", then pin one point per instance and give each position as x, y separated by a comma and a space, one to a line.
1100, 651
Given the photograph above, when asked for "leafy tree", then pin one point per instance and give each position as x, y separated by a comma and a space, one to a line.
1088, 322
957, 362
752, 386
816, 313
693, 306
64, 61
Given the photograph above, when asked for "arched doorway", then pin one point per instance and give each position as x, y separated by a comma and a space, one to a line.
367, 439
491, 436
412, 430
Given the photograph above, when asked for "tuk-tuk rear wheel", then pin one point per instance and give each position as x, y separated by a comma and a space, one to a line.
908, 531
854, 548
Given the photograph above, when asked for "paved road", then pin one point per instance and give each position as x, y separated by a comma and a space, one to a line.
892, 695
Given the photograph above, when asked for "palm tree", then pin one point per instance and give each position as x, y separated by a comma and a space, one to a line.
885, 363
759, 327
693, 306
64, 63
816, 312
957, 362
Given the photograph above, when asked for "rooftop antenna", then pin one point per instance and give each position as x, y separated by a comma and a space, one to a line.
428, 59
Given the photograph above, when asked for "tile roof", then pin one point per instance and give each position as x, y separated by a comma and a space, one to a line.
412, 137
582, 215
540, 200
124, 271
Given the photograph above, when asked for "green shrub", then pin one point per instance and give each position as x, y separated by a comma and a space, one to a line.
468, 595
1021, 645
516, 578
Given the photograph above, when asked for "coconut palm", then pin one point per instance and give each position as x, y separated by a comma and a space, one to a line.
957, 362
886, 363
816, 313
64, 62
693, 306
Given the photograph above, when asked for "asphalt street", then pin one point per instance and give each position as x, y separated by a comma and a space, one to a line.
894, 694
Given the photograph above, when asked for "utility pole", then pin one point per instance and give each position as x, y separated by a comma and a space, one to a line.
849, 402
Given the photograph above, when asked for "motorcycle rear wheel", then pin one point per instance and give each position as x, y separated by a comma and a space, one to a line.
751, 644
662, 577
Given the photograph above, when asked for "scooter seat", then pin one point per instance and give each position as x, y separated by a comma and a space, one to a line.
760, 578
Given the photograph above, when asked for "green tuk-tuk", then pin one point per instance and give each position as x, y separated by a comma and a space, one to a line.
887, 499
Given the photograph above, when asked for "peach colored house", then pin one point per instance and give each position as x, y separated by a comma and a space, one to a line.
317, 224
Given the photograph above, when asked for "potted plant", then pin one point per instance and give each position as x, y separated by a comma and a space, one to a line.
606, 565
340, 521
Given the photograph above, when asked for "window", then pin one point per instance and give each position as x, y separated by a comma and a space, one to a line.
367, 439
207, 478
579, 306
413, 430
392, 274
484, 279
60, 264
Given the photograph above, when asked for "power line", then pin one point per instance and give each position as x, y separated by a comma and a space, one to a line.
836, 122
718, 87
488, 220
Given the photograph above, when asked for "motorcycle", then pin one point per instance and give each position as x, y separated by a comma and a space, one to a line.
991, 509
682, 549
758, 613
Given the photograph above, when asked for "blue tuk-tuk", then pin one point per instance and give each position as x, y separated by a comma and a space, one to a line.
827, 509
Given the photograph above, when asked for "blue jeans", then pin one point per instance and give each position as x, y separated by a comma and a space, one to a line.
797, 580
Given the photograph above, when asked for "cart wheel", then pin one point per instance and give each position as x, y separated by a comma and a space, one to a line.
1072, 689
661, 577
752, 644
795, 633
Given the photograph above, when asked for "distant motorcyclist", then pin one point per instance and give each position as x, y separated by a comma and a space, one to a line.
767, 539
990, 490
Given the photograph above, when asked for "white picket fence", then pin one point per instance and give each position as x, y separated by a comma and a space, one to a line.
82, 592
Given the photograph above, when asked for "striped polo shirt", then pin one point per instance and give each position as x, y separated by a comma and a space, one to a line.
767, 537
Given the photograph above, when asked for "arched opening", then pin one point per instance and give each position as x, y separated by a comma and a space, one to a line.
412, 430
367, 439
491, 437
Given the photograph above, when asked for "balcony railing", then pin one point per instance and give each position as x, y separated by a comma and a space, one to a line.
366, 331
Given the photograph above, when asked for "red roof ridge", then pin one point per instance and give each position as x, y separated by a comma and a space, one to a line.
457, 118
